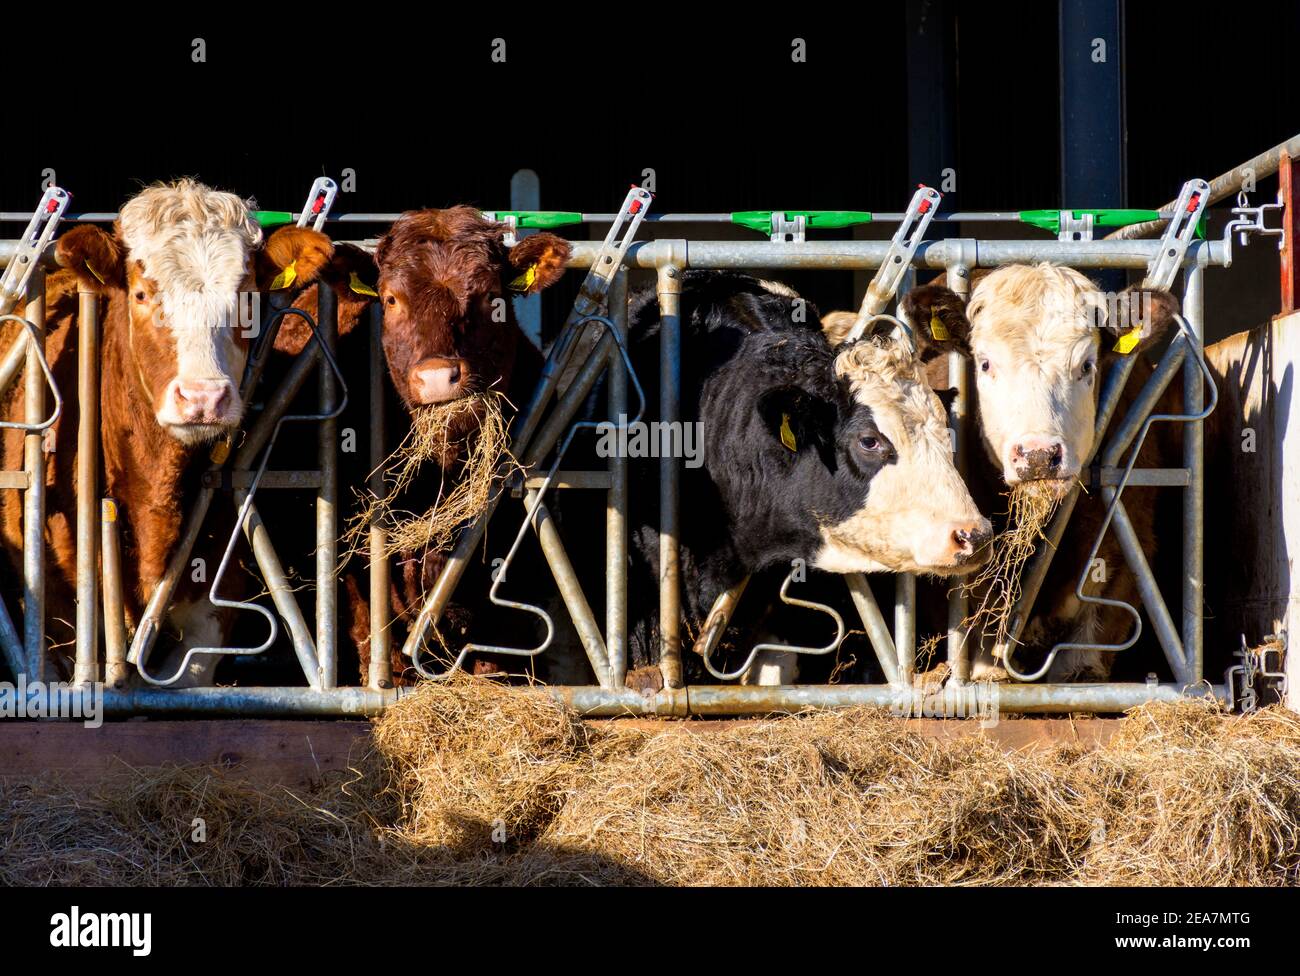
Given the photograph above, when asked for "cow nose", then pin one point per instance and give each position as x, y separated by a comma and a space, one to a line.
202, 401
1038, 457
970, 538
436, 380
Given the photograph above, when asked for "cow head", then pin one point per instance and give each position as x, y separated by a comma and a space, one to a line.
445, 280
173, 270
843, 459
1039, 337
918, 515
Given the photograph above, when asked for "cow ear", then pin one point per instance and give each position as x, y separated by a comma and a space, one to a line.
798, 422
1140, 319
94, 255
292, 257
540, 259
938, 319
836, 326
352, 275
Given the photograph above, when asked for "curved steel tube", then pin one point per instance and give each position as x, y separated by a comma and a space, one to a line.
760, 648
34, 339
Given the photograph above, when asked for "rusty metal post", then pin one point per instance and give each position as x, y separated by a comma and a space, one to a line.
616, 498
115, 666
327, 534
669, 290
87, 636
34, 493
1288, 184
381, 671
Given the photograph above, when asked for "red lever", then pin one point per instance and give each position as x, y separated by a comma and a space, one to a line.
320, 202
1191, 206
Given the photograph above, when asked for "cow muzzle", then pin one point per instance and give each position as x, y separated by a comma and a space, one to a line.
190, 405
1038, 459
957, 547
438, 380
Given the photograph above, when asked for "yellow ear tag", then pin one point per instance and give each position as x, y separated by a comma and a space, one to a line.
220, 451
787, 435
937, 330
1126, 343
91, 268
525, 280
360, 287
286, 277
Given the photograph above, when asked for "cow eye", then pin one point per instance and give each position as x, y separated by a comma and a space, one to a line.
391, 299
869, 443
1088, 366
984, 365
139, 296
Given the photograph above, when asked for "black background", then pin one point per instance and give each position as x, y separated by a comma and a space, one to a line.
409, 98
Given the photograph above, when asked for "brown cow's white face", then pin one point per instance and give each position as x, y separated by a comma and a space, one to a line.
187, 259
1034, 341
919, 516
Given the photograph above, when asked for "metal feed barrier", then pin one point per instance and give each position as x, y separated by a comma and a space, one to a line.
600, 314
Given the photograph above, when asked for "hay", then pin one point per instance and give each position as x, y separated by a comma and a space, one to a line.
472, 782
467, 440
996, 587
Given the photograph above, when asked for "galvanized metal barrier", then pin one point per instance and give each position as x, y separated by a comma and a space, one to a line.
536, 435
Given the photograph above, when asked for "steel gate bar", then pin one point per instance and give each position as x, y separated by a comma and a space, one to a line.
380, 672
327, 497
616, 498
34, 494
1194, 462
88, 356
668, 288
115, 666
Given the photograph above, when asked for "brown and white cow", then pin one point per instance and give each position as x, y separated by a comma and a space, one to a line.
444, 279
169, 280
1041, 337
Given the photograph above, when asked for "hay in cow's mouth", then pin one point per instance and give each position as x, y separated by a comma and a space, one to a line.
996, 587
465, 440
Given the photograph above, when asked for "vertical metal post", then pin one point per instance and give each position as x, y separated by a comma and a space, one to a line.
87, 636
616, 499
1288, 185
526, 194
327, 502
34, 494
959, 378
905, 626
115, 668
669, 291
1194, 495
380, 675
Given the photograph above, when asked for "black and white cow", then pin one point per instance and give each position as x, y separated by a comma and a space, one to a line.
841, 459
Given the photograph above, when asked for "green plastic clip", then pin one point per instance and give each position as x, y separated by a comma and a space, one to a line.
761, 220
540, 219
1050, 220
272, 218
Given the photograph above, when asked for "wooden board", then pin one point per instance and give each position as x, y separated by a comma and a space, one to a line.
1252, 497
301, 753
